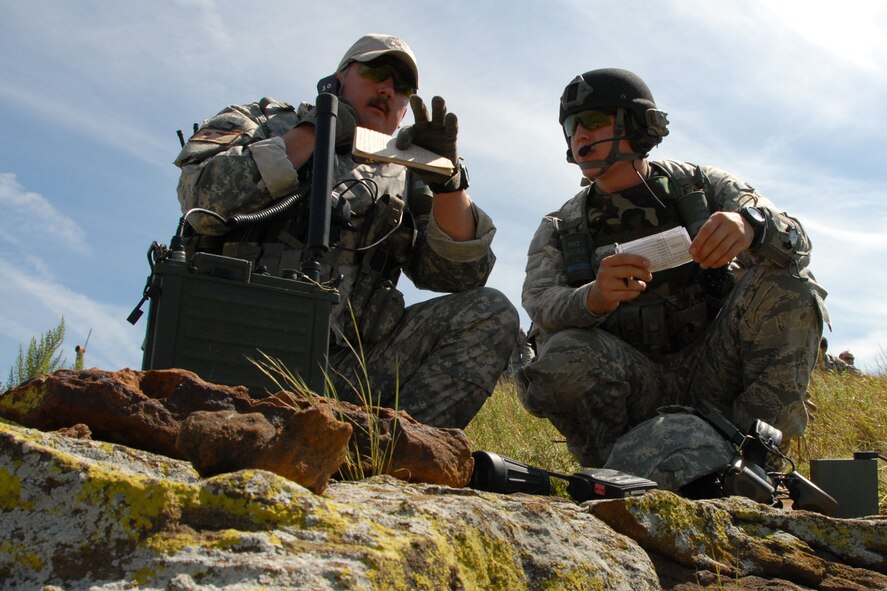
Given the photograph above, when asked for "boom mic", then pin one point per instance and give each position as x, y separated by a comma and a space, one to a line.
587, 147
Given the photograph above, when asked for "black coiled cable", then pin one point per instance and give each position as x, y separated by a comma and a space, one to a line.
240, 219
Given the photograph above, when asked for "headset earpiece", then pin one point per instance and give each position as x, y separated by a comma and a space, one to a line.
655, 127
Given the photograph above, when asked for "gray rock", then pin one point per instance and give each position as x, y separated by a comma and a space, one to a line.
74, 516
81, 514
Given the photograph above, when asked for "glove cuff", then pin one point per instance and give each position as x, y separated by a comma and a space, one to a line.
457, 182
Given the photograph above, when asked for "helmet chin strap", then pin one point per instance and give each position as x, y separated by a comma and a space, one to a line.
615, 155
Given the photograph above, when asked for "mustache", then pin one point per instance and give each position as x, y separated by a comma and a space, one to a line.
378, 101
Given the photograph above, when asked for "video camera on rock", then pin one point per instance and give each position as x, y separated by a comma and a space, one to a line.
747, 476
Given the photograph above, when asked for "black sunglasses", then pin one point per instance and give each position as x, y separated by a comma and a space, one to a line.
383, 68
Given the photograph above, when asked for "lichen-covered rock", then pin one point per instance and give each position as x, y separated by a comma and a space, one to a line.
740, 540
147, 409
82, 514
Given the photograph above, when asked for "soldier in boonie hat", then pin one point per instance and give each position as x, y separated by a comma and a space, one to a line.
250, 157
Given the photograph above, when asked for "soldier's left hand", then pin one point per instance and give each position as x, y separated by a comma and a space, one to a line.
436, 133
721, 239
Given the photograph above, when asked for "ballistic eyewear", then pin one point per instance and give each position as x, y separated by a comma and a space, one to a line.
590, 120
381, 69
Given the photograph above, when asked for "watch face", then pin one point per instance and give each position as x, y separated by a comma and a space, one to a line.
755, 214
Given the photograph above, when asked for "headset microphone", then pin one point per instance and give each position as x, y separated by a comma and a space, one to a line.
587, 147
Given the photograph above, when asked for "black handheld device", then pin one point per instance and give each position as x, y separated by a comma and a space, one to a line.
495, 473
604, 483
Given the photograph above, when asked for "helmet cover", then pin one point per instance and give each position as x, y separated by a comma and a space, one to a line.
671, 449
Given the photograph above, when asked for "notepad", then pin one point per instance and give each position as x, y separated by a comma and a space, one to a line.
664, 250
382, 147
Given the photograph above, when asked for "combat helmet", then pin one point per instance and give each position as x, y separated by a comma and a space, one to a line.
673, 449
620, 91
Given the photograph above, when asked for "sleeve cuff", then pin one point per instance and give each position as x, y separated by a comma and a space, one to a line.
274, 166
588, 317
463, 252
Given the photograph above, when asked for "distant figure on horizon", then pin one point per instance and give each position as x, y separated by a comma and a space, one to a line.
80, 353
828, 362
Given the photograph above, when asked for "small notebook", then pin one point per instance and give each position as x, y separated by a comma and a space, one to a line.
374, 145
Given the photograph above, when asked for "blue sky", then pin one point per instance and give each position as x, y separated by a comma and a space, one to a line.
787, 95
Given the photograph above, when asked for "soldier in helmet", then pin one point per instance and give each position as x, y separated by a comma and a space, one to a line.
738, 326
439, 359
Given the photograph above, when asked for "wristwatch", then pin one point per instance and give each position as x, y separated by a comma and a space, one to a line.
450, 186
758, 221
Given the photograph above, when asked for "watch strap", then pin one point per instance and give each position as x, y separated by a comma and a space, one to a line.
758, 221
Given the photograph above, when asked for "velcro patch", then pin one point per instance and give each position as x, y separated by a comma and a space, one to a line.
216, 136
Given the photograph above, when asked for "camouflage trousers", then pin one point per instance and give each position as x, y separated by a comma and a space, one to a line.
441, 362
753, 362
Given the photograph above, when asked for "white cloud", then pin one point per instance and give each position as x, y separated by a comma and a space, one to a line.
852, 31
28, 217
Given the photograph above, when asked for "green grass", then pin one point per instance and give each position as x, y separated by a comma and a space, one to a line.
503, 426
851, 416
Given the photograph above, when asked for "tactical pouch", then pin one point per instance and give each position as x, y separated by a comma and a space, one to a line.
576, 248
689, 322
660, 327
383, 240
236, 125
694, 210
781, 244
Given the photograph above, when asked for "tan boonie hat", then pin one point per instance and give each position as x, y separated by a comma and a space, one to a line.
371, 46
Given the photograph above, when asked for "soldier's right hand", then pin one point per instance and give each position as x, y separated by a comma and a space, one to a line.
620, 278
346, 123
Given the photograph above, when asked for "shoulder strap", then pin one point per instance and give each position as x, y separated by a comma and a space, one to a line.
692, 178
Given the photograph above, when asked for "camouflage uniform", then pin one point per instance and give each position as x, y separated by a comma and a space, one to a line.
830, 363
445, 354
752, 356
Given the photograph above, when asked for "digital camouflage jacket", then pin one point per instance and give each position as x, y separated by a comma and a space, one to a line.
236, 163
554, 305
